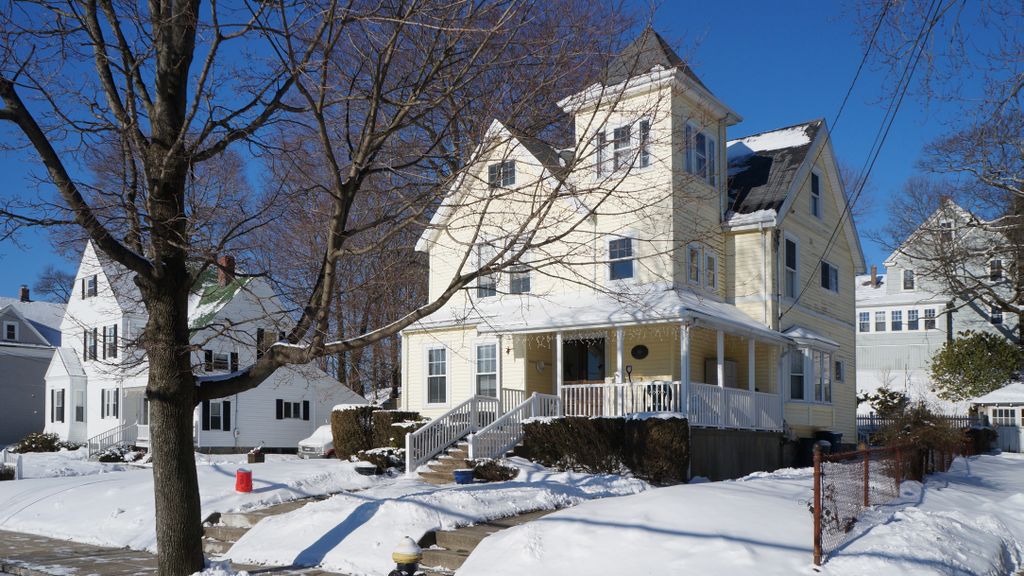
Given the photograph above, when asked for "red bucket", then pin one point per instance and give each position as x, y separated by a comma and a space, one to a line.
243, 480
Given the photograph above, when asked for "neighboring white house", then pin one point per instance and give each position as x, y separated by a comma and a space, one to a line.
904, 316
96, 382
1005, 411
29, 333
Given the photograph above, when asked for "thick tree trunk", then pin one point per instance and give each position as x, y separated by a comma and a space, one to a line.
172, 393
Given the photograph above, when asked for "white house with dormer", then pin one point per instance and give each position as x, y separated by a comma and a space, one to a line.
96, 382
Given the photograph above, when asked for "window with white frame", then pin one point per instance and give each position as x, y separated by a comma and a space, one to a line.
829, 277
109, 402
221, 361
864, 321
519, 273
896, 320
821, 375
79, 405
701, 155
796, 375
502, 174
913, 322
110, 341
879, 321
909, 280
10, 331
627, 147
946, 231
437, 375
89, 343
216, 415
693, 263
57, 405
840, 373
486, 284
995, 270
929, 318
89, 286
291, 410
816, 195
1004, 416
995, 315
487, 369
790, 262
710, 269
620, 258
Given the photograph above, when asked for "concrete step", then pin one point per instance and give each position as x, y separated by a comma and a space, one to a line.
458, 453
446, 464
249, 519
437, 477
502, 523
216, 547
439, 558
465, 539
224, 533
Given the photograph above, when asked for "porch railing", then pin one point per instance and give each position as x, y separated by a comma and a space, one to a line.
702, 404
510, 398
500, 436
125, 434
447, 429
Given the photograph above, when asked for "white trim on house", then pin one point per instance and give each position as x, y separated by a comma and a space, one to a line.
427, 348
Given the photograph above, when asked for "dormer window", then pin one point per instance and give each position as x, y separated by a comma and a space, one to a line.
909, 281
89, 286
628, 147
701, 153
502, 174
11, 331
815, 195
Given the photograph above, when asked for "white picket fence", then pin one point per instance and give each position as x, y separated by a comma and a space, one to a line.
500, 436
447, 429
702, 404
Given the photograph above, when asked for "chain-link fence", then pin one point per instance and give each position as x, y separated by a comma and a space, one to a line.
845, 484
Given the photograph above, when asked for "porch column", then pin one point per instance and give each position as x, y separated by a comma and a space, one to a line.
682, 403
721, 358
620, 356
497, 355
559, 376
750, 364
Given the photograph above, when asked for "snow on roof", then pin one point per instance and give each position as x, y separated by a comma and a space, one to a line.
789, 137
878, 295
44, 316
647, 304
70, 360
757, 217
801, 333
1009, 394
762, 166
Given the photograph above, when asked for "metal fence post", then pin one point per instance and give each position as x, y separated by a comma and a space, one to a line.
867, 474
817, 505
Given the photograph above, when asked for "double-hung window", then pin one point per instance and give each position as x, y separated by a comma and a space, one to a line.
79, 405
487, 370
790, 263
89, 343
829, 277
628, 147
10, 330
89, 286
864, 321
995, 315
502, 174
995, 270
110, 341
519, 273
710, 269
929, 318
110, 402
896, 321
879, 321
486, 284
623, 150
437, 375
701, 155
946, 231
821, 367
913, 322
909, 280
816, 195
693, 263
796, 375
620, 258
57, 405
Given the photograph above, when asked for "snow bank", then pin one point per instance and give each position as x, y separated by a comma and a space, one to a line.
967, 521
64, 463
355, 533
116, 509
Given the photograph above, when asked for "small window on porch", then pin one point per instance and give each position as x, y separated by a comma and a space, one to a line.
487, 370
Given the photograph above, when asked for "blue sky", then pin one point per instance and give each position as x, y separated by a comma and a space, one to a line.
776, 63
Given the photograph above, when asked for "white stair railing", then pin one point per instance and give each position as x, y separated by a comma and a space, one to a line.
126, 434
500, 436
447, 429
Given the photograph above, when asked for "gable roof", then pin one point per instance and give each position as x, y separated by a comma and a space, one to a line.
43, 317
550, 158
1010, 394
648, 51
762, 166
947, 209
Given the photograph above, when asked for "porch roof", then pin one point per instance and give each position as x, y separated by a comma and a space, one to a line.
646, 304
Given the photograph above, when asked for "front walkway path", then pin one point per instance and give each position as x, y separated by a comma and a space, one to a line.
30, 555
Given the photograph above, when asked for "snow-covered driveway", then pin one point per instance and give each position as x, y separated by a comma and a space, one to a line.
969, 521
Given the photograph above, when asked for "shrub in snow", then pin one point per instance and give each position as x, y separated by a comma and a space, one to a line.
43, 442
122, 453
382, 458
365, 427
654, 449
493, 471
6, 472
921, 431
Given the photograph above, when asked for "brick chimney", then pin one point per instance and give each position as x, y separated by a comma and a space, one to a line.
225, 269
874, 276
24, 293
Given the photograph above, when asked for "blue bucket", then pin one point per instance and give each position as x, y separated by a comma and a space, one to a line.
464, 476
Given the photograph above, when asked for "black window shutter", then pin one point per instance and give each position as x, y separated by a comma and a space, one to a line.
113, 350
85, 344
95, 338
103, 403
117, 401
60, 414
225, 410
53, 405
280, 409
208, 360
104, 342
234, 361
305, 409
259, 343
83, 288
206, 414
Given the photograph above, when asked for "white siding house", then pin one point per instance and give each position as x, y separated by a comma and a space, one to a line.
100, 373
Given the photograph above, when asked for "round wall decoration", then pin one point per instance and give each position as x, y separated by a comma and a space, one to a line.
639, 352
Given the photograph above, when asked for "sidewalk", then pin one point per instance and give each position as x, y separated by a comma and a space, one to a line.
30, 555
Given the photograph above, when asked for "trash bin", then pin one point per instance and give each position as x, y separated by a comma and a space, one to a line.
243, 480
835, 439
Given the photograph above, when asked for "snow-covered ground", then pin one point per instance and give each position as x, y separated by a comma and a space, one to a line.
115, 508
63, 463
356, 533
969, 521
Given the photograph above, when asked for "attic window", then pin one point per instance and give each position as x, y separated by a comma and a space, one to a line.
909, 280
502, 174
946, 231
815, 195
89, 286
10, 330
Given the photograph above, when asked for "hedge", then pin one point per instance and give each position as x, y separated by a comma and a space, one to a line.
42, 442
360, 428
654, 449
